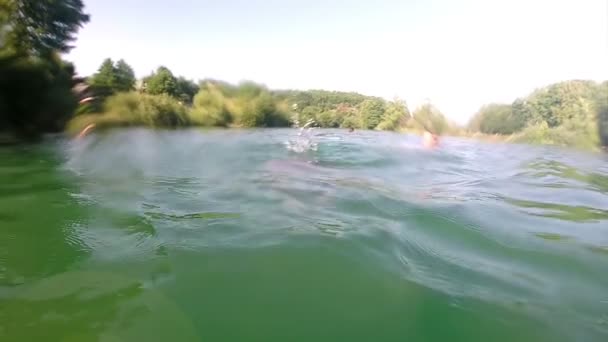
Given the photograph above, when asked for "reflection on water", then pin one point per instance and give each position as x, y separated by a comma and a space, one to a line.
232, 235
562, 212
552, 168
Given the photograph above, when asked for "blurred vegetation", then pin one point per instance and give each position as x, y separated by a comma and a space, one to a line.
248, 104
35, 95
570, 113
112, 78
602, 112
35, 84
430, 119
245, 105
39, 93
135, 109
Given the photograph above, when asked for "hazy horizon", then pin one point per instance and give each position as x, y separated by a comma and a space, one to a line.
459, 56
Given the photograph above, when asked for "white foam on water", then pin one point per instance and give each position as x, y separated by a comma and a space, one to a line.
304, 141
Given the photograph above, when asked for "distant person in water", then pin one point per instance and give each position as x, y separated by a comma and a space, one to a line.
350, 130
430, 140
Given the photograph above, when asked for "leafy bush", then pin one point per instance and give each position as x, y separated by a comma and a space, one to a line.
371, 112
496, 119
247, 105
210, 108
147, 110
571, 134
570, 113
396, 115
254, 110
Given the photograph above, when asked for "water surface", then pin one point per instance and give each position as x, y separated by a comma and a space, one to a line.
264, 235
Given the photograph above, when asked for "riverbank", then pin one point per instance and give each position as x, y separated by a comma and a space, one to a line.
249, 105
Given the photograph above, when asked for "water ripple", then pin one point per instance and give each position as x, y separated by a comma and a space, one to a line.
519, 227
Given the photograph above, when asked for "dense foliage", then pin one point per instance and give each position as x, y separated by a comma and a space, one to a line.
245, 105
39, 93
35, 95
112, 78
334, 109
35, 84
41, 28
571, 113
149, 110
162, 81
496, 118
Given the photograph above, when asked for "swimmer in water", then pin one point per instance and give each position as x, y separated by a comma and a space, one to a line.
350, 130
430, 140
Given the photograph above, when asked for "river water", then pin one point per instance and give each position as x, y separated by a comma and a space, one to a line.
267, 235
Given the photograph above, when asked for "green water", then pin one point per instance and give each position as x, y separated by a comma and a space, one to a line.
138, 235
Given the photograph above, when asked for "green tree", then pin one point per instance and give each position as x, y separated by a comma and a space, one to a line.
161, 82
39, 27
569, 113
371, 112
35, 84
112, 78
561, 102
186, 89
496, 119
350, 121
210, 107
256, 107
395, 115
35, 95
124, 76
522, 112
308, 113
329, 119
104, 80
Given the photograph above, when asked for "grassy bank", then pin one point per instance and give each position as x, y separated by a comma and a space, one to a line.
134, 109
570, 113
541, 134
573, 122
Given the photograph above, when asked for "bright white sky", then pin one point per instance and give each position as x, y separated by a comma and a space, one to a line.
458, 54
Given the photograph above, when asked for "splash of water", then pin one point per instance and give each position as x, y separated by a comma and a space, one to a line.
304, 141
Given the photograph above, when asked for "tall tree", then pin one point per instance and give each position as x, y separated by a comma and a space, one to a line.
35, 95
112, 78
125, 76
40, 27
396, 114
104, 80
35, 84
496, 119
161, 82
186, 89
371, 112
